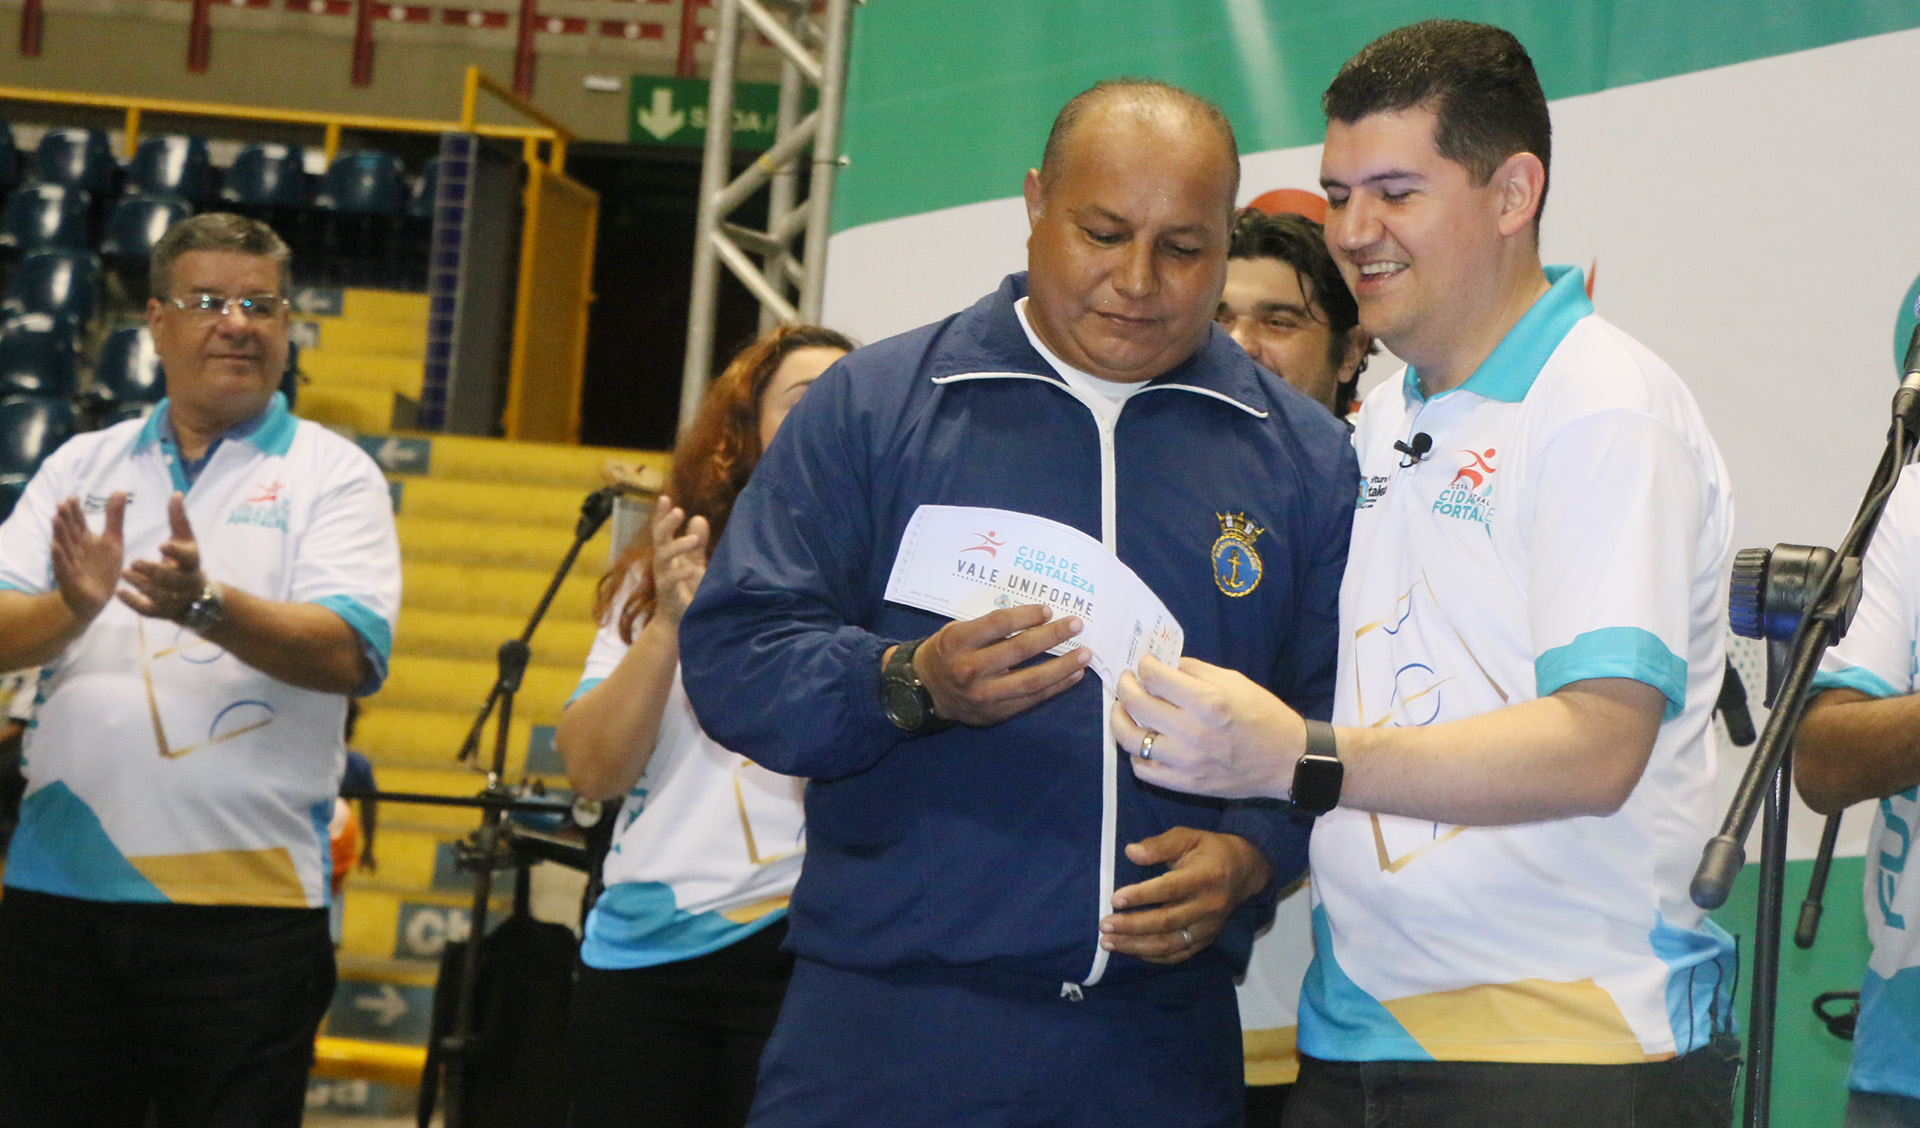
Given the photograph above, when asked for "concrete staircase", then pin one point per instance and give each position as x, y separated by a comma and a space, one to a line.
482, 525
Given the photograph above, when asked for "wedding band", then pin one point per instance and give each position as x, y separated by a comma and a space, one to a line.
1146, 745
1187, 936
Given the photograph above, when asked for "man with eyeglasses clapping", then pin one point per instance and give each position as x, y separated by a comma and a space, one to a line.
204, 589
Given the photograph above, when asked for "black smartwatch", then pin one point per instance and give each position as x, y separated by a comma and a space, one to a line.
1317, 775
904, 696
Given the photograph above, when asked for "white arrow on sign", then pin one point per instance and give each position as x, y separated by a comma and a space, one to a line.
661, 119
393, 455
387, 1006
307, 301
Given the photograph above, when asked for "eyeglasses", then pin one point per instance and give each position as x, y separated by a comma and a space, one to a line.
212, 307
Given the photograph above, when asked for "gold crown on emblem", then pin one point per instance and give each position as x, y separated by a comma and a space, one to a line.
1237, 526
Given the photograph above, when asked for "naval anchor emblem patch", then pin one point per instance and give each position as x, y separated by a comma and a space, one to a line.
1236, 566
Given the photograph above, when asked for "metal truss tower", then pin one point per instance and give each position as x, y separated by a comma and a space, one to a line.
813, 49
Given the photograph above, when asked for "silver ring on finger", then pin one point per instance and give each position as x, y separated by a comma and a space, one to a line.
1187, 936
1146, 745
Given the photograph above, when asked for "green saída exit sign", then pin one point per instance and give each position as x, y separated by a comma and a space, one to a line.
673, 111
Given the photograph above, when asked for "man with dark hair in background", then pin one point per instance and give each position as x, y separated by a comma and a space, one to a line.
997, 924
1286, 304
203, 589
1532, 631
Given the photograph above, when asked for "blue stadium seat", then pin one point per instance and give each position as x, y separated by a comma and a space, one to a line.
9, 159
362, 183
60, 284
267, 175
172, 165
134, 227
127, 370
138, 222
360, 202
31, 428
37, 216
36, 358
77, 158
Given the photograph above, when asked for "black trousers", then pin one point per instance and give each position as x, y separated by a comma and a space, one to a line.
204, 1014
676, 1045
1691, 1091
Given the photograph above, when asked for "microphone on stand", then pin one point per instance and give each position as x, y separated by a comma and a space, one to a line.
1423, 442
1906, 401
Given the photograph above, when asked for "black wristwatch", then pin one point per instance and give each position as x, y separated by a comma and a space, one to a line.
904, 696
1317, 775
205, 612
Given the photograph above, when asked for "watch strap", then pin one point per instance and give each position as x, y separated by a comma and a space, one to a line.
1319, 773
899, 671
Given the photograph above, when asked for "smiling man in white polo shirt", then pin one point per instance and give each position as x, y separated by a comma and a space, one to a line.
203, 589
1531, 643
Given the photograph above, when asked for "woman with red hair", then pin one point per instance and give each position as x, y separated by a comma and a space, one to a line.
681, 973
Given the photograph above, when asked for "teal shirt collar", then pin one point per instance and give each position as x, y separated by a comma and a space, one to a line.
271, 431
1510, 369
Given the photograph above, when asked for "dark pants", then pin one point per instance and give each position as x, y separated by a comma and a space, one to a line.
205, 1013
969, 1048
1881, 1110
1693, 1091
1267, 1105
677, 1045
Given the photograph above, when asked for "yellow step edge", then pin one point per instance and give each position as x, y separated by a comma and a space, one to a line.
475, 636
382, 1062
499, 591
352, 372
508, 503
470, 458
506, 545
383, 305
394, 736
379, 338
459, 685
357, 409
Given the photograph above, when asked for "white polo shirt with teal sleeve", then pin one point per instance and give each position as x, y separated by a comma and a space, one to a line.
1877, 658
1571, 520
708, 845
160, 768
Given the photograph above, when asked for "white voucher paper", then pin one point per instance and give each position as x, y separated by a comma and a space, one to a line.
964, 562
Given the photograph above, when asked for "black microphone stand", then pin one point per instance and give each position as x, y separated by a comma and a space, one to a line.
1801, 601
491, 841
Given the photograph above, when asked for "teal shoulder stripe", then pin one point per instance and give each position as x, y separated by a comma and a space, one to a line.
1615, 652
376, 636
1853, 677
949, 104
581, 690
61, 848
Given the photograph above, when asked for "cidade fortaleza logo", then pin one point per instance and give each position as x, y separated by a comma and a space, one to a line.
265, 507
1469, 497
1027, 574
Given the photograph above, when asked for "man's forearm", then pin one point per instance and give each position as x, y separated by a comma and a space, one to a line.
302, 644
35, 629
1576, 752
1852, 748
